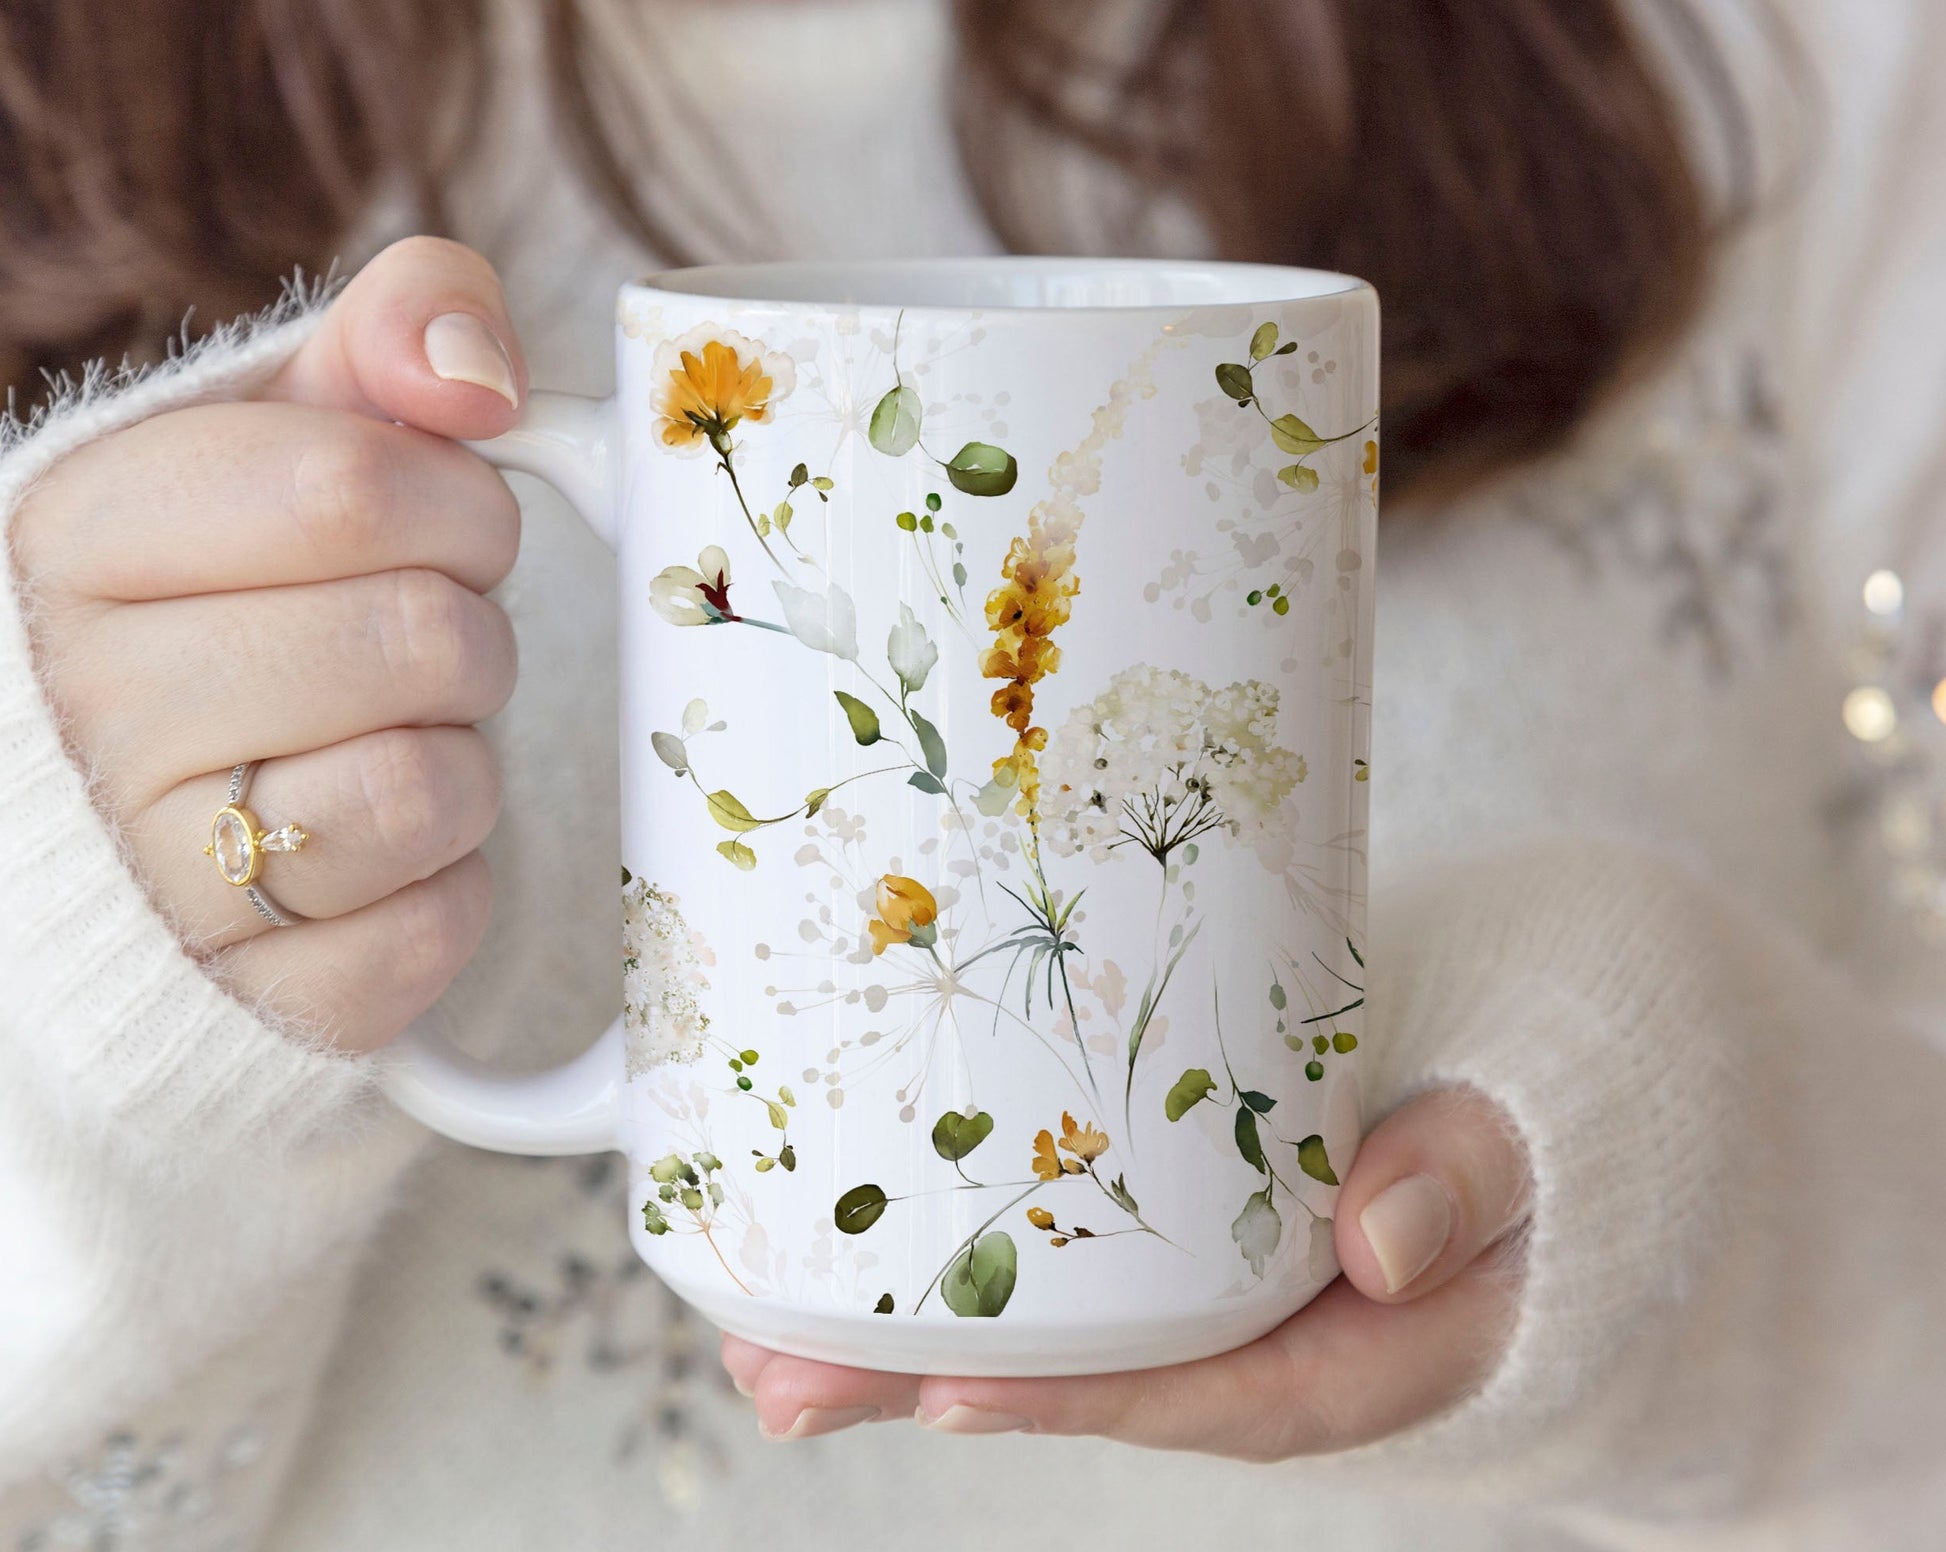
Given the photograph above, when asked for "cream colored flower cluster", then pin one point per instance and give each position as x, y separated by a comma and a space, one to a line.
662, 975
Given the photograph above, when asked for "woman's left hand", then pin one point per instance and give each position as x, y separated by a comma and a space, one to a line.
1426, 1233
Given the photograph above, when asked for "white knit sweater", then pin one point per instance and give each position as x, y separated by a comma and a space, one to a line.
241, 1303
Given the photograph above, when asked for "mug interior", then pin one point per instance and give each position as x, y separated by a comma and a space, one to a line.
1026, 284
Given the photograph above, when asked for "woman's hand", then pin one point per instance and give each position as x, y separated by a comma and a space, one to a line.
1426, 1232
300, 581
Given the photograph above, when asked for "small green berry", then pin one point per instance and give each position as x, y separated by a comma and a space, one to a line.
1314, 1070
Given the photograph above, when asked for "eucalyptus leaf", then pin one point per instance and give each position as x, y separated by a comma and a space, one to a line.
980, 1279
695, 716
728, 811
1190, 1090
1294, 437
863, 720
858, 1209
954, 1136
925, 781
671, 751
1261, 1103
779, 1117
1263, 342
981, 469
1311, 1159
1235, 381
895, 423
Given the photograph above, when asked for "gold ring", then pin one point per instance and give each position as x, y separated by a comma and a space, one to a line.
239, 844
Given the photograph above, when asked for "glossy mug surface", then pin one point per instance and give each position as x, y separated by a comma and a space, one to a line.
996, 694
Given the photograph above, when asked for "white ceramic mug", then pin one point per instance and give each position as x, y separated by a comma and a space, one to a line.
995, 701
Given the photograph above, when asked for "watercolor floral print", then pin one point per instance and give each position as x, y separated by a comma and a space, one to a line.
982, 932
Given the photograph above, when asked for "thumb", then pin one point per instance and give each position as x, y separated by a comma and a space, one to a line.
1438, 1181
420, 336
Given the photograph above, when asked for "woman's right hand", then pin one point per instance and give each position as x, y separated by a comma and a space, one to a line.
301, 580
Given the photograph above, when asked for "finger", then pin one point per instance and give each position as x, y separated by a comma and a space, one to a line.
203, 683
422, 336
381, 811
1437, 1182
359, 979
798, 1398
224, 496
1341, 1372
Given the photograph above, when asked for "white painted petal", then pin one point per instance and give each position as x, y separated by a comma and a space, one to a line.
824, 622
910, 651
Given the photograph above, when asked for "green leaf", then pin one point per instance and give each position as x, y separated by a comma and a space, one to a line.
1257, 1230
955, 1135
1191, 1089
765, 1166
779, 1117
931, 743
1235, 381
1261, 1103
858, 1209
933, 504
692, 1198
981, 469
799, 475
1263, 342
1314, 1070
652, 1219
1311, 1159
815, 800
1296, 438
736, 852
1289, 348
671, 751
895, 423
1123, 1197
782, 516
884, 1305
925, 781
667, 1168
1344, 1042
1249, 1144
863, 720
823, 485
728, 811
627, 878
787, 1156
980, 1279
1299, 476
1278, 999
908, 521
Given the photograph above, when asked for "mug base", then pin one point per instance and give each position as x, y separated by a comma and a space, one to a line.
989, 1349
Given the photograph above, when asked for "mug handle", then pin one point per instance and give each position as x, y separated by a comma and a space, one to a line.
568, 441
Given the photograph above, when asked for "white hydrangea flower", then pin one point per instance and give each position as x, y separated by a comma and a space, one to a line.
1158, 759
662, 974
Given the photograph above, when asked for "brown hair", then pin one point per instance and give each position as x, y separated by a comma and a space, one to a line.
1510, 173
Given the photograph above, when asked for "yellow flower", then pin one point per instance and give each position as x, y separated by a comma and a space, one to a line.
1035, 598
1040, 1217
1047, 1163
711, 380
1084, 1142
906, 914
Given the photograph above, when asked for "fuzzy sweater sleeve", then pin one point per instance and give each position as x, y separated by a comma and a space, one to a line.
171, 1161
1733, 1283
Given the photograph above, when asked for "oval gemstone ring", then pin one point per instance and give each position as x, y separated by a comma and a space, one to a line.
238, 842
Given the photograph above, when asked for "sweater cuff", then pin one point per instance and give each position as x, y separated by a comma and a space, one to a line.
1573, 984
133, 1040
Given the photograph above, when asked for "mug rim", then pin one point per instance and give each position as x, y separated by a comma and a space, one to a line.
763, 284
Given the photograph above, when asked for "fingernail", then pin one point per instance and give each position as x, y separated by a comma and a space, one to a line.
1407, 1225
462, 349
961, 1418
813, 1421
746, 1391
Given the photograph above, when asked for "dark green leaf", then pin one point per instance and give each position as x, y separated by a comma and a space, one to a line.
863, 720
955, 1135
895, 423
671, 751
931, 744
933, 503
1123, 1197
858, 1209
1190, 1090
799, 475
1287, 348
1263, 342
884, 1305
980, 1279
1314, 1070
1235, 381
1311, 1159
787, 1156
1249, 1144
925, 781
981, 469
1261, 1103
627, 878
